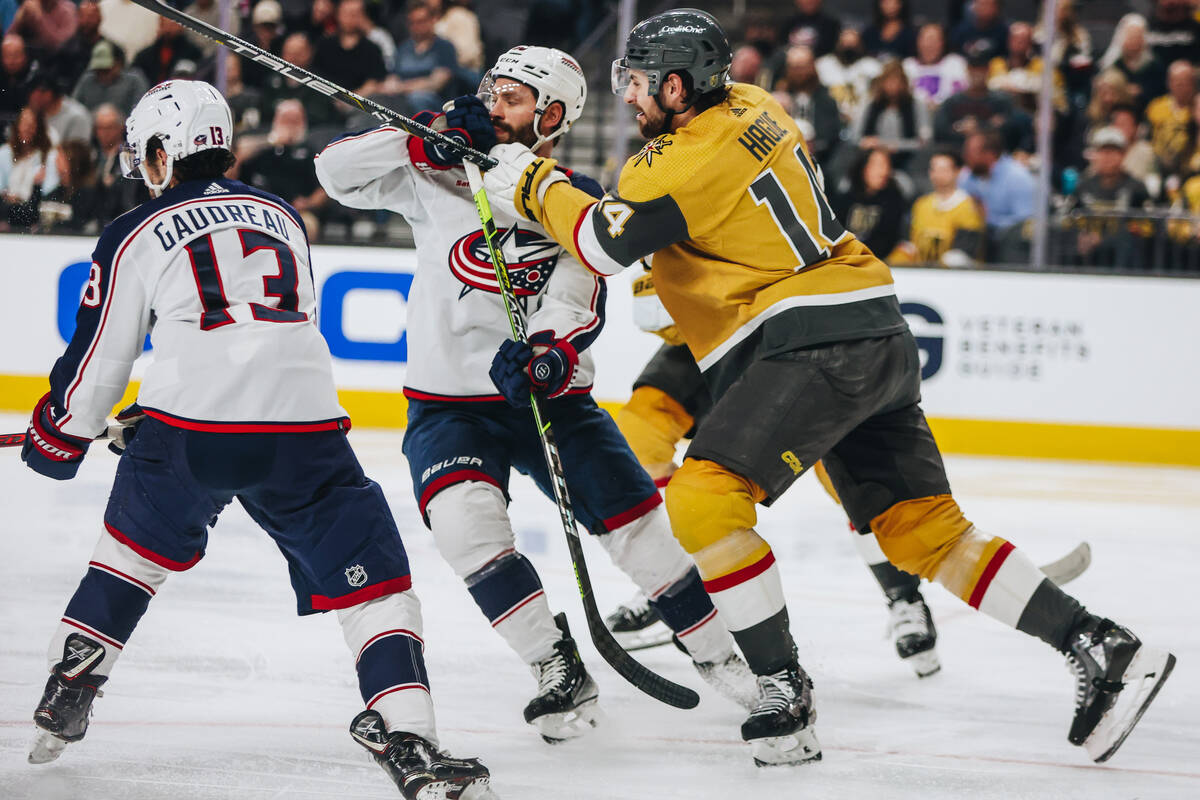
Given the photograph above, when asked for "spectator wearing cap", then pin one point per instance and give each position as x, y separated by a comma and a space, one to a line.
16, 71
975, 108
128, 25
811, 27
1005, 189
848, 72
157, 62
349, 58
802, 95
210, 11
1130, 53
1107, 188
108, 81
285, 166
1174, 32
425, 63
1169, 115
66, 117
984, 32
934, 73
45, 24
72, 60
266, 31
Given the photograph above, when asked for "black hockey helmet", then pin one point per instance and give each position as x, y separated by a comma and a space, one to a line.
680, 40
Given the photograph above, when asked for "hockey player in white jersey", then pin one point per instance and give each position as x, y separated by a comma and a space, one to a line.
463, 438
238, 402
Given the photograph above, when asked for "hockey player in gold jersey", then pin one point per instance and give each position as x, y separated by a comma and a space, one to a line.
796, 327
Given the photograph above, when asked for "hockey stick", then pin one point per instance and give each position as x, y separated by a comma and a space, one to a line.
1070, 566
18, 439
649, 682
316, 83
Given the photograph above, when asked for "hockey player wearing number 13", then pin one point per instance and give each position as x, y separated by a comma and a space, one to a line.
238, 402
464, 437
796, 327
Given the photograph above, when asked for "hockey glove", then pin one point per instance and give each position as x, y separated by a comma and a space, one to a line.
522, 178
466, 121
123, 432
47, 449
548, 367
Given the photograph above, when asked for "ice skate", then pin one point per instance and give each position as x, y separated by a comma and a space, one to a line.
914, 634
636, 625
780, 727
419, 769
1116, 678
62, 715
566, 705
730, 676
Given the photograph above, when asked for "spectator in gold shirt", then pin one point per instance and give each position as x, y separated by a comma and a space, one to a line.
1169, 116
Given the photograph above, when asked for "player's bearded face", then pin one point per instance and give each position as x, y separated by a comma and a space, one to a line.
651, 119
513, 115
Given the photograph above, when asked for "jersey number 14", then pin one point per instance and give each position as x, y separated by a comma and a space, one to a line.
809, 245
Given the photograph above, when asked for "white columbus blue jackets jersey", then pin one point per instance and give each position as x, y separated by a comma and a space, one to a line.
218, 274
456, 318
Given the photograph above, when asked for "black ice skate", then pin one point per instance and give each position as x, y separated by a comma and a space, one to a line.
1116, 678
62, 715
780, 727
915, 637
419, 769
636, 625
566, 702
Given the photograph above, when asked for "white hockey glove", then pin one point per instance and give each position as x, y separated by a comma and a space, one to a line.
521, 179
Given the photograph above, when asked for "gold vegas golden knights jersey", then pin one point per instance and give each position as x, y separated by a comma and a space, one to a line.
941, 225
748, 257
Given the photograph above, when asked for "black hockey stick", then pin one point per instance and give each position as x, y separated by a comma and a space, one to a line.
649, 682
316, 83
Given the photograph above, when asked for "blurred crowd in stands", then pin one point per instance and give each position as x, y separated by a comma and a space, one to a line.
925, 124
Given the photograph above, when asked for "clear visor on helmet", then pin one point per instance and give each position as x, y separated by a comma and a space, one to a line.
621, 76
130, 162
493, 87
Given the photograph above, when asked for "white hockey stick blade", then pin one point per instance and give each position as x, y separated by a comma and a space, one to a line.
1070, 566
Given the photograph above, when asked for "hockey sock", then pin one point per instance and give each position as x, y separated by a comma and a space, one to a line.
895, 583
688, 611
110, 601
509, 593
990, 574
748, 593
389, 656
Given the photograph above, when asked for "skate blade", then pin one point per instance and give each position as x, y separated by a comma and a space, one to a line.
653, 635
478, 789
924, 664
556, 728
795, 748
46, 747
1144, 676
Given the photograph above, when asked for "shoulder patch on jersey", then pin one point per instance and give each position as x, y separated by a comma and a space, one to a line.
738, 111
653, 148
216, 188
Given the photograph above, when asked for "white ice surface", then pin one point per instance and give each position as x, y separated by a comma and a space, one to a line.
224, 693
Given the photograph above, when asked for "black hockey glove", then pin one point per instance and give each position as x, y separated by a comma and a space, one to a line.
48, 450
466, 120
518, 368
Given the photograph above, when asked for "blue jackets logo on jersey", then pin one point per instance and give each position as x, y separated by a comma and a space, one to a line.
531, 259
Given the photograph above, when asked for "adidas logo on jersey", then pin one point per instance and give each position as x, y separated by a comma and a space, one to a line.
215, 188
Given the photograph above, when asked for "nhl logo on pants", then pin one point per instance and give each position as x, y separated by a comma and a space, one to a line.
356, 576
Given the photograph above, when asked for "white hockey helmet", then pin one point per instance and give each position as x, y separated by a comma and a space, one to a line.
187, 117
554, 76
